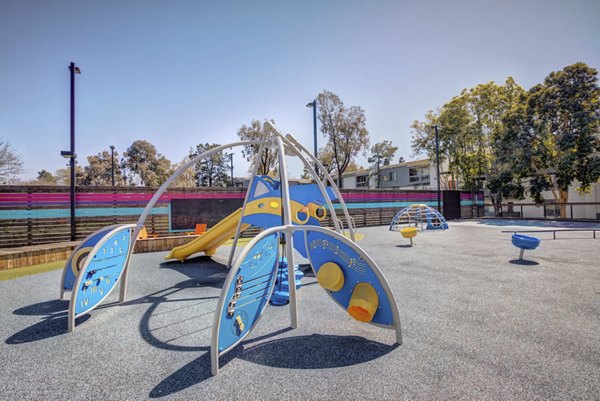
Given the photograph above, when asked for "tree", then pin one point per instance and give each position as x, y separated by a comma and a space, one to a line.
10, 162
46, 178
469, 126
211, 171
98, 172
325, 157
256, 131
63, 175
344, 129
381, 152
142, 162
552, 137
187, 179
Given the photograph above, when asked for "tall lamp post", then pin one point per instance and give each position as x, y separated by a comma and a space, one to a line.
231, 167
112, 164
70, 154
313, 105
437, 166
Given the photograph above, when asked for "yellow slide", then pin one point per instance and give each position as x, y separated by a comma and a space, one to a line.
211, 240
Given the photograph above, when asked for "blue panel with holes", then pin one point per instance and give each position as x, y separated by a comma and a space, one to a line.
102, 269
249, 291
323, 248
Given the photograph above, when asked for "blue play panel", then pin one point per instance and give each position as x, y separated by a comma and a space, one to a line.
323, 248
248, 292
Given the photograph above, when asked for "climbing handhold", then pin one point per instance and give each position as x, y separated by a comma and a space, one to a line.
363, 303
331, 277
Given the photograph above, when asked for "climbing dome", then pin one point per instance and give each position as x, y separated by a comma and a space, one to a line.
419, 216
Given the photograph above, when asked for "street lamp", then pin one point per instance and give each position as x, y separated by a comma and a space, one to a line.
313, 105
437, 166
70, 154
231, 166
112, 164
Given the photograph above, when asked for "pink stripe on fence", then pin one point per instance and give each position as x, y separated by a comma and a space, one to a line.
104, 197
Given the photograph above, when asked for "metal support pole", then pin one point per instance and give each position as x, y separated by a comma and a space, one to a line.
313, 105
72, 150
112, 164
437, 164
231, 167
289, 239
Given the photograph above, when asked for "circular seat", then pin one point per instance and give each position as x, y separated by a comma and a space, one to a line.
525, 241
409, 232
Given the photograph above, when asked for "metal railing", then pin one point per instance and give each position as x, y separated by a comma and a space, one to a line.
555, 231
573, 210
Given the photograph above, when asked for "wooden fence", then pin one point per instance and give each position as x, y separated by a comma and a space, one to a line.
31, 215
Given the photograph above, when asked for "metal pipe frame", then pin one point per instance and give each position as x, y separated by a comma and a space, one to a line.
289, 230
157, 194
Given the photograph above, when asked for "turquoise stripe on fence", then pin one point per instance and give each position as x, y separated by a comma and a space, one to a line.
136, 211
377, 205
83, 212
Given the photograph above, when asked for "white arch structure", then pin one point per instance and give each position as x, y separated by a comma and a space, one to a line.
284, 144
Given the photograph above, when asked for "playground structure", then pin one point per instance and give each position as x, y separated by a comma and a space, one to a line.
290, 218
419, 216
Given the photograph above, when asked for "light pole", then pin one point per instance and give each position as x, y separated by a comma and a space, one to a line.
437, 166
70, 154
112, 164
231, 167
313, 105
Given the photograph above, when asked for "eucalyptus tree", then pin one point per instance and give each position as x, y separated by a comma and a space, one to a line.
268, 159
345, 130
381, 154
99, 170
469, 126
552, 137
141, 162
211, 171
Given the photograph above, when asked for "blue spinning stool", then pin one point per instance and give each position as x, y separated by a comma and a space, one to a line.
524, 242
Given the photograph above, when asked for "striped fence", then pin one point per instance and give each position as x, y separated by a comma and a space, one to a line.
32, 215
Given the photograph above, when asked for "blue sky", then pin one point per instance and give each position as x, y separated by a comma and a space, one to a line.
179, 73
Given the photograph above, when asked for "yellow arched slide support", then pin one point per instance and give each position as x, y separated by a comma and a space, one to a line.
331, 277
363, 303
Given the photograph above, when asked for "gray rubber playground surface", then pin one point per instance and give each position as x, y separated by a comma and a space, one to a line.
475, 326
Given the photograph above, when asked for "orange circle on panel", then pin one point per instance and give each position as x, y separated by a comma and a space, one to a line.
363, 303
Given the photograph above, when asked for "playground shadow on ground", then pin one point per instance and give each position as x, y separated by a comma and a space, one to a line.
54, 313
524, 262
54, 321
315, 351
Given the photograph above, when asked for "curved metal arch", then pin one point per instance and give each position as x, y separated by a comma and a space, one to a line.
293, 143
158, 193
289, 230
328, 179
